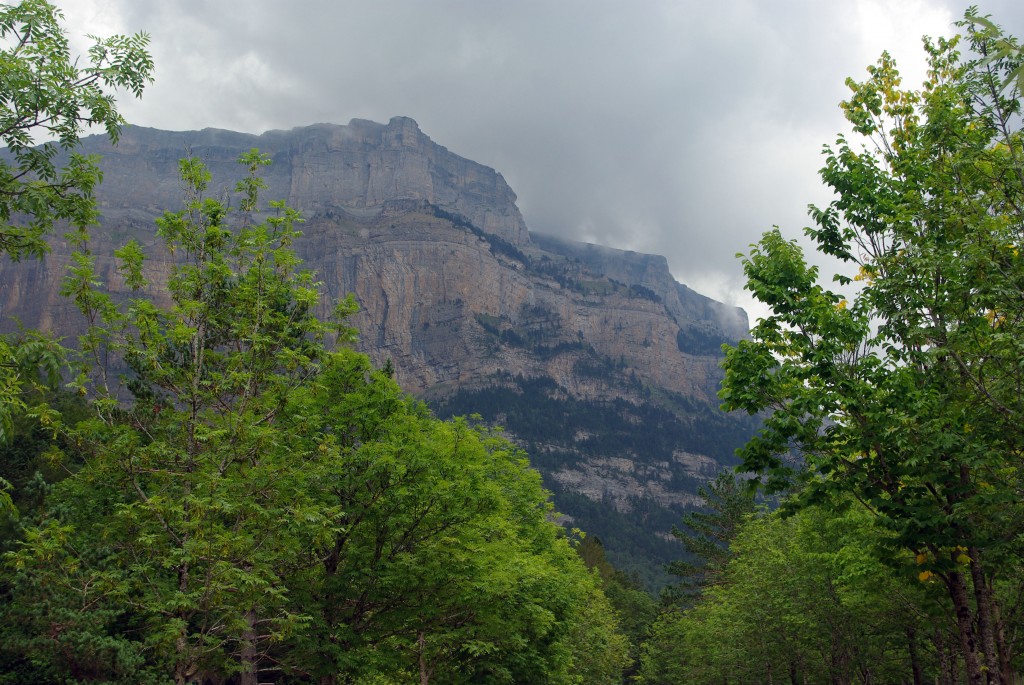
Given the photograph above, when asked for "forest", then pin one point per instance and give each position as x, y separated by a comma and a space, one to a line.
213, 488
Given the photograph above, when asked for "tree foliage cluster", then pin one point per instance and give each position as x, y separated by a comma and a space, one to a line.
266, 507
901, 388
802, 599
707, 535
48, 97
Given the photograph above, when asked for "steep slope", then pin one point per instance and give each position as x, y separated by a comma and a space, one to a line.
596, 360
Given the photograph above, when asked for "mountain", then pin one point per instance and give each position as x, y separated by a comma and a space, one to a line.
595, 360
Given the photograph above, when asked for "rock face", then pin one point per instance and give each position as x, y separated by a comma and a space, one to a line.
323, 169
596, 360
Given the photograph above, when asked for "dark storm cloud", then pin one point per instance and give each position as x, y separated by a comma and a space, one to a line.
680, 128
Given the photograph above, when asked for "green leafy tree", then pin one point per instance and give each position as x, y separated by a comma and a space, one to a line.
906, 394
192, 504
49, 96
48, 99
266, 506
446, 566
803, 599
635, 607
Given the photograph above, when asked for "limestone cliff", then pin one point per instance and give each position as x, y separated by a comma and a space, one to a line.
322, 169
596, 360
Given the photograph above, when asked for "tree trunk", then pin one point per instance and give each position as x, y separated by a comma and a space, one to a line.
995, 631
915, 659
965, 626
986, 624
424, 668
250, 674
184, 669
946, 661
1005, 657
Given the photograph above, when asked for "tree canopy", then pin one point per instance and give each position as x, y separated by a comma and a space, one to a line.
904, 389
256, 502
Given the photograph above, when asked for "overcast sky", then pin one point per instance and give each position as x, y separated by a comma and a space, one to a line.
678, 128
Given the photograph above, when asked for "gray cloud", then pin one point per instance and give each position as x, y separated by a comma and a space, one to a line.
678, 127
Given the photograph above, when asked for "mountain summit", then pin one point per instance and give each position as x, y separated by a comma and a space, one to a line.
595, 360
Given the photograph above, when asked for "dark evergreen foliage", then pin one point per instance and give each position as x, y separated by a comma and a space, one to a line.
497, 244
692, 340
706, 534
534, 411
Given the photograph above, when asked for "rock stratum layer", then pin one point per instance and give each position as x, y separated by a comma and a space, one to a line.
596, 360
